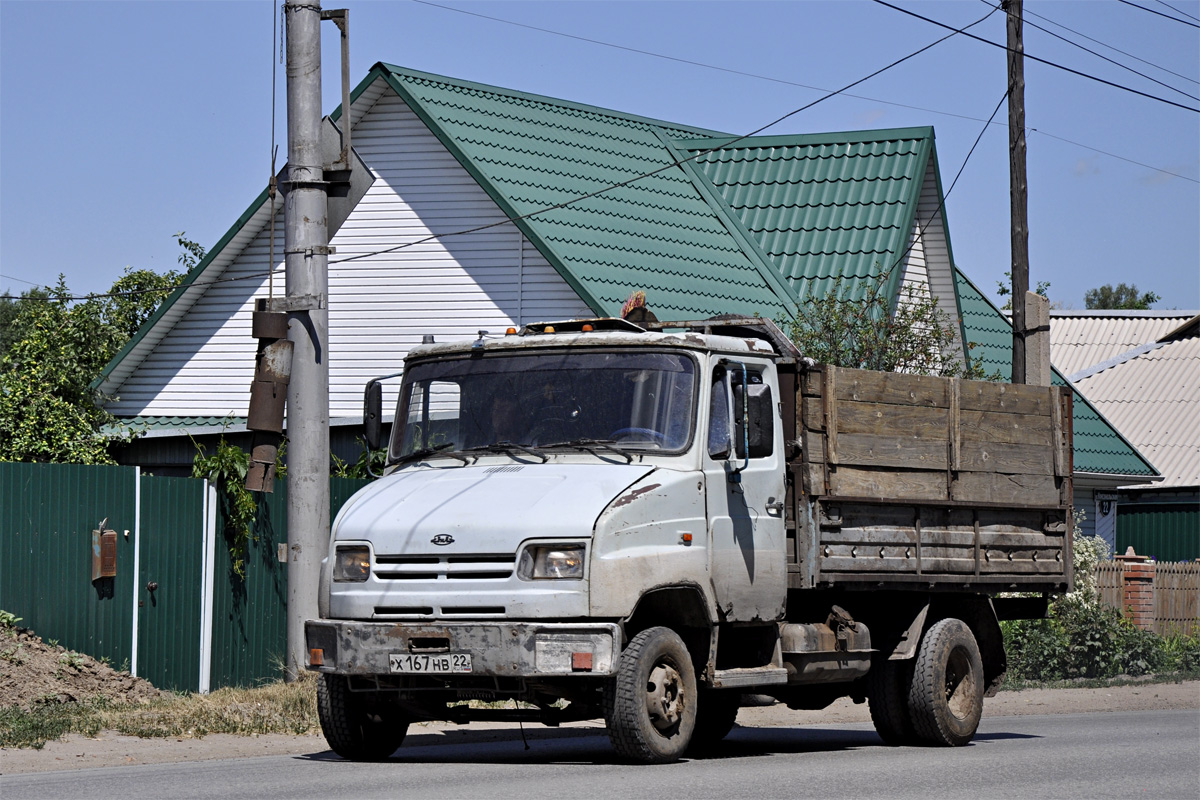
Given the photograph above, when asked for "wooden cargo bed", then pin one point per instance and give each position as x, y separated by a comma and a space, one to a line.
916, 481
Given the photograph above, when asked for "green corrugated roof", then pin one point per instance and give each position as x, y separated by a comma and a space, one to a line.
823, 206
659, 234
1099, 447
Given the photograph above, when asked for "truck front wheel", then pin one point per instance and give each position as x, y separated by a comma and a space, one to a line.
650, 704
945, 700
355, 728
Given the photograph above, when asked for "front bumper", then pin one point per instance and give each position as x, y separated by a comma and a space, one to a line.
510, 649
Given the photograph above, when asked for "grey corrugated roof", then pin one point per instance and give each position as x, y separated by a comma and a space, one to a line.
1081, 339
1153, 398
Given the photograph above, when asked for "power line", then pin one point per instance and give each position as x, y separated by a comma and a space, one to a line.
785, 82
511, 220
1160, 14
1100, 56
1026, 12
953, 183
1042, 60
678, 162
1177, 10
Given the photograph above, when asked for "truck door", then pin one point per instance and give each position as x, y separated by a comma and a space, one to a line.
745, 493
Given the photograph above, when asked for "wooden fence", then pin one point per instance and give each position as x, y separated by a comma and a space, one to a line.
1110, 581
1176, 594
1176, 598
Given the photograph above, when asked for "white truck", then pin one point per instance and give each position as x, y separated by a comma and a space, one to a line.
643, 523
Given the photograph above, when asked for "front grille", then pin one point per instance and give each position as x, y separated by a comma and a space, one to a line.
450, 568
472, 611
445, 611
403, 611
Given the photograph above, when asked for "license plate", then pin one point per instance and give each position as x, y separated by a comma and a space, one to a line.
431, 664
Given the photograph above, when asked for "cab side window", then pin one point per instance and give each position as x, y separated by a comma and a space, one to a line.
719, 439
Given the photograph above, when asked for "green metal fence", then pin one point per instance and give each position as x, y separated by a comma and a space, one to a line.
1166, 531
175, 613
47, 514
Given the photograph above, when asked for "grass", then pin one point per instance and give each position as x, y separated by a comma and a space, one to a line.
1017, 684
274, 708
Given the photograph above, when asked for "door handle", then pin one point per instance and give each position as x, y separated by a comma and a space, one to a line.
152, 586
775, 507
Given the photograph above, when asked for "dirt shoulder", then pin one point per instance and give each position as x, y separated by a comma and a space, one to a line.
110, 749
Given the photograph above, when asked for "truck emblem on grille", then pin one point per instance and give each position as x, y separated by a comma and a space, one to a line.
442, 538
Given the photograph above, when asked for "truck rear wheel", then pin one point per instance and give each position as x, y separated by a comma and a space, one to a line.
888, 686
715, 715
650, 704
354, 729
946, 697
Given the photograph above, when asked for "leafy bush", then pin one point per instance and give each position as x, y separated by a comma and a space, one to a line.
1081, 638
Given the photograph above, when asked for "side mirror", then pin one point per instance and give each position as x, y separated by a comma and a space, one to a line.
760, 433
373, 414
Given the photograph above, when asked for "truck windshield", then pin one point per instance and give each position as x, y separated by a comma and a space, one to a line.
637, 400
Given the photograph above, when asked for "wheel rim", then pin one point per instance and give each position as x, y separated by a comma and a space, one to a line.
960, 685
664, 696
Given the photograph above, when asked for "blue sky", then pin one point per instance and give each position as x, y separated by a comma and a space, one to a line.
122, 123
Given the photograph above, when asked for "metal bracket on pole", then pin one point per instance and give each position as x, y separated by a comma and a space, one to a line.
304, 302
315, 250
341, 18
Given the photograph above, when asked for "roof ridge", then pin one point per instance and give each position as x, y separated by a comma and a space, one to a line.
546, 99
1116, 360
735, 157
804, 139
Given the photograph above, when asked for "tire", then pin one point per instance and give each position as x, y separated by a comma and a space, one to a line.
715, 715
945, 700
888, 688
354, 728
650, 704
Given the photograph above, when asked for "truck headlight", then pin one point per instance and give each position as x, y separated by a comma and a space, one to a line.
352, 563
564, 562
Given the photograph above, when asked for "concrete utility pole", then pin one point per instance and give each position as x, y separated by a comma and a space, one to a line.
306, 250
1017, 185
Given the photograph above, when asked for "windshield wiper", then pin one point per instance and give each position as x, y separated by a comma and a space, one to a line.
589, 444
428, 451
507, 447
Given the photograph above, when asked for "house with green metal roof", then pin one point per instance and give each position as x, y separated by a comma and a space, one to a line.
479, 208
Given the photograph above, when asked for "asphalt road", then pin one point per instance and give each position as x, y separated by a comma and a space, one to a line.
1153, 754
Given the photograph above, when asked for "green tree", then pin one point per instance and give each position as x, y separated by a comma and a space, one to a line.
54, 346
866, 332
1004, 289
1124, 296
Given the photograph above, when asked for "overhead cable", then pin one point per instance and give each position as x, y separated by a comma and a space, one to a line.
1159, 13
1177, 10
511, 220
785, 82
1099, 55
1042, 60
1027, 13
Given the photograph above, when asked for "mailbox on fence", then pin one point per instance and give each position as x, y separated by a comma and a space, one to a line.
104, 553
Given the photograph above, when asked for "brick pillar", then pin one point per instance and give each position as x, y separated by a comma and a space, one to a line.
1138, 593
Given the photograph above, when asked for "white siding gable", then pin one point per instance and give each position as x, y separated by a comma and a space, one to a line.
927, 268
379, 306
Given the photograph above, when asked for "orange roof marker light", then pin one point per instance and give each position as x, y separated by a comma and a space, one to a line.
510, 332
587, 329
549, 329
